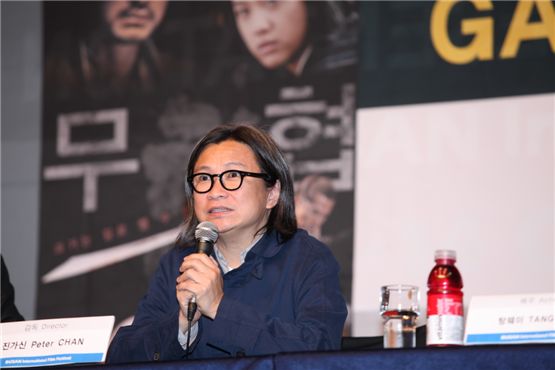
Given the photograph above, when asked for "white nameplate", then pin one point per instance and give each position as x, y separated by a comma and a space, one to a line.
504, 319
55, 341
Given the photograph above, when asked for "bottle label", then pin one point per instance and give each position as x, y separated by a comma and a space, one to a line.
445, 319
445, 304
445, 329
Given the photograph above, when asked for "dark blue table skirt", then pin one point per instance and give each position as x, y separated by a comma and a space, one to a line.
533, 357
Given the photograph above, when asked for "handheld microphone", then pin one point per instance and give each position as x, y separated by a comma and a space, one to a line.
206, 235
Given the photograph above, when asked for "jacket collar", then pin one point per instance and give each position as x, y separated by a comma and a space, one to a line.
268, 246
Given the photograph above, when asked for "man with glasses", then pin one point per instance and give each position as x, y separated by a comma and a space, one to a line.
267, 288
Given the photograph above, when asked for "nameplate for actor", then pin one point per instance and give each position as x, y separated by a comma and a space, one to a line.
55, 341
505, 319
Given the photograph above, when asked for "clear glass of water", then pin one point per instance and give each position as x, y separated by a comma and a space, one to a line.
399, 307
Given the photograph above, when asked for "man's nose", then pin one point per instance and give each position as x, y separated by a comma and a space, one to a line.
217, 188
139, 3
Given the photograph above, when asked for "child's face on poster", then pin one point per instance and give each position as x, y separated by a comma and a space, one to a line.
273, 31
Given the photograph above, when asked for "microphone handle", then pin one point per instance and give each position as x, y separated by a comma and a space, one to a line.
191, 309
205, 247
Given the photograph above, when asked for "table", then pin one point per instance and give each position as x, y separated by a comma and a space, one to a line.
530, 356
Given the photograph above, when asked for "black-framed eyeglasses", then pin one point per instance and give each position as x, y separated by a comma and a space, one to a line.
203, 182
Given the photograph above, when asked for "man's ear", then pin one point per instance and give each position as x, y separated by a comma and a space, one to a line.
273, 195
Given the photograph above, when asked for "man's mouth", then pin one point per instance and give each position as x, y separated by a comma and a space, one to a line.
219, 210
137, 15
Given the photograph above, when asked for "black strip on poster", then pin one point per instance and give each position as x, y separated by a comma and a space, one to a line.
425, 51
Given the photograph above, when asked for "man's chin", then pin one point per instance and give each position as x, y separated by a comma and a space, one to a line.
219, 225
131, 36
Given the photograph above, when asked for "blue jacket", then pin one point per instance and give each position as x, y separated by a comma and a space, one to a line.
285, 297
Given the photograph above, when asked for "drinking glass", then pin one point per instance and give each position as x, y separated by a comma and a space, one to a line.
399, 309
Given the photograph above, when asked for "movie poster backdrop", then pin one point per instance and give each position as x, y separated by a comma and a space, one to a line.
130, 87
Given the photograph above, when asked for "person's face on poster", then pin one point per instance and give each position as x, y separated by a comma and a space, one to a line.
313, 213
273, 31
133, 21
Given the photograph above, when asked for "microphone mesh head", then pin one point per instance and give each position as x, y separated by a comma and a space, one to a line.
206, 231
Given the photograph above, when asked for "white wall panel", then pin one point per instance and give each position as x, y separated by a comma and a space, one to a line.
475, 176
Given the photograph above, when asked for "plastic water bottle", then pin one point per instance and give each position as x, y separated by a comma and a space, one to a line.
445, 302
